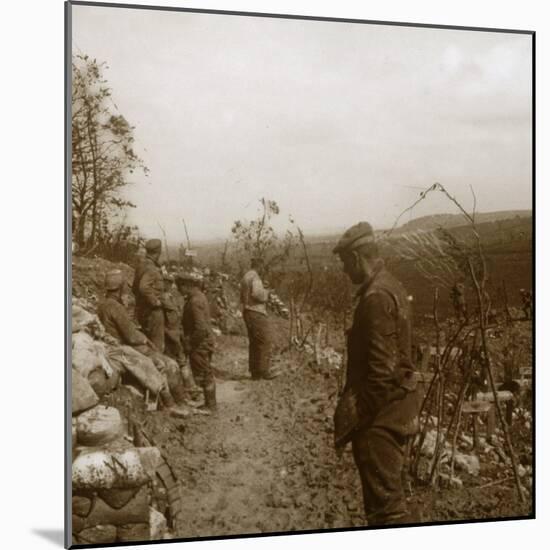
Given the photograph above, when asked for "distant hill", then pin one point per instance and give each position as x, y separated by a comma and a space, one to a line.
454, 220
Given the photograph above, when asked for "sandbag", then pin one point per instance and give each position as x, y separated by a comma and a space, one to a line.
105, 469
73, 433
133, 532
99, 534
140, 366
88, 354
83, 396
135, 511
82, 319
77, 523
101, 383
81, 505
98, 426
117, 498
158, 524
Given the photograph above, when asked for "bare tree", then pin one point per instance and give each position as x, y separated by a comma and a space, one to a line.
103, 154
258, 238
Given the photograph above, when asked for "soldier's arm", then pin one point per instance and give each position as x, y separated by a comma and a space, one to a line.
201, 320
377, 322
147, 290
129, 334
259, 294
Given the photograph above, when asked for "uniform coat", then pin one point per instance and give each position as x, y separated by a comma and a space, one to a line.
381, 372
118, 324
253, 300
148, 288
198, 336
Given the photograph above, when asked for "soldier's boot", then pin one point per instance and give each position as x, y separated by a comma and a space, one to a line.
169, 404
179, 394
191, 387
210, 403
176, 385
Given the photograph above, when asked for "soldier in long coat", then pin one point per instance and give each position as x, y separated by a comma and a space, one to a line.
148, 287
198, 337
378, 410
173, 337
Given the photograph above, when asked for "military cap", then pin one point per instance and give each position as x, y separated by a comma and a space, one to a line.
355, 236
153, 245
189, 277
113, 279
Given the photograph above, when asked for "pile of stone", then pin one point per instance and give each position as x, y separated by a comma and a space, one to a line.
111, 478
464, 462
277, 306
111, 481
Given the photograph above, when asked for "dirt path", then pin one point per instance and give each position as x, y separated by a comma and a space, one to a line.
259, 465
265, 462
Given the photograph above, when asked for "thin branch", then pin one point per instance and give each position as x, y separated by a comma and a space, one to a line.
165, 241
474, 206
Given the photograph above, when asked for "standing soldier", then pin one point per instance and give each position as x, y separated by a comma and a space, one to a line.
173, 337
198, 338
148, 287
378, 409
459, 301
253, 299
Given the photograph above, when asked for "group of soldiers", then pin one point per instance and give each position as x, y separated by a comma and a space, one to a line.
180, 343
378, 409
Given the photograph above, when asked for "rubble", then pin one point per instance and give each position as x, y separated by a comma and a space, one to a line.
114, 467
127, 487
83, 396
111, 478
467, 463
99, 426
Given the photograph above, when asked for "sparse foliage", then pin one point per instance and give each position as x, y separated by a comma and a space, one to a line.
257, 238
103, 153
439, 256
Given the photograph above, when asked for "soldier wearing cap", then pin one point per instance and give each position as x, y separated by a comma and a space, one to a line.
173, 336
378, 409
117, 323
254, 298
148, 287
198, 338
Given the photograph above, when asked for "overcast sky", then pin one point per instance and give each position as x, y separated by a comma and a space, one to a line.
337, 122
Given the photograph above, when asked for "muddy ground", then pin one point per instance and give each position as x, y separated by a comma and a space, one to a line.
266, 463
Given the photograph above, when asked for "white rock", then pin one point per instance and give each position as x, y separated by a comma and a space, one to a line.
428, 447
122, 468
83, 395
88, 354
158, 524
454, 482
99, 426
467, 463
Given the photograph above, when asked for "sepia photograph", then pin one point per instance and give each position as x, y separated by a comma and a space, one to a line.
301, 274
